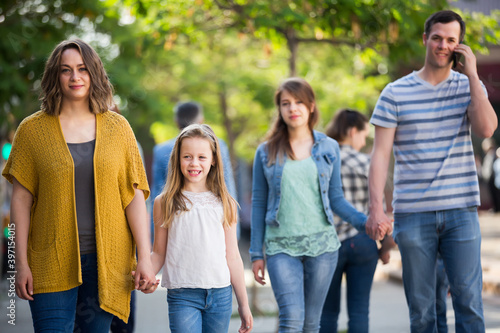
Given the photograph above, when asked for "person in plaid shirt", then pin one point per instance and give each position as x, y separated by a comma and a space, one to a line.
358, 254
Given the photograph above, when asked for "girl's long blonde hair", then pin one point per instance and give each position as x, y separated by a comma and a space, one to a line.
173, 201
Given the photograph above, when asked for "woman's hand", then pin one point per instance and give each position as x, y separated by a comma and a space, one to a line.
258, 267
246, 319
144, 276
24, 282
152, 289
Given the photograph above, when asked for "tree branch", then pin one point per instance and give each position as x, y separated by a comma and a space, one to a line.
331, 41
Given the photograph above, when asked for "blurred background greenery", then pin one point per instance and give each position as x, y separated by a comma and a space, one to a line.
229, 55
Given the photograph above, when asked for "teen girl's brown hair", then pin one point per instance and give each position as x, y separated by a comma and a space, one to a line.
101, 90
278, 143
173, 201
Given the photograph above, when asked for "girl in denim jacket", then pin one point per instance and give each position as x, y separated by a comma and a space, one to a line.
296, 189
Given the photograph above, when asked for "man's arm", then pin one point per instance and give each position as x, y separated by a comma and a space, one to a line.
378, 224
481, 114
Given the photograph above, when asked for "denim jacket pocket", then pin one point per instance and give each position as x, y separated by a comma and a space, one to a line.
329, 164
329, 158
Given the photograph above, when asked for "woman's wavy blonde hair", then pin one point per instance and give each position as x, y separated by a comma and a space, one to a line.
173, 201
101, 90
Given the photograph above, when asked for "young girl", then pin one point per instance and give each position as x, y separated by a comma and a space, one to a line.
195, 238
296, 189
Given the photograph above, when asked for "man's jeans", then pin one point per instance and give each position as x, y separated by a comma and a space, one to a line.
300, 285
456, 236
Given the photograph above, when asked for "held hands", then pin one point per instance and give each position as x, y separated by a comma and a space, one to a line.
144, 287
378, 225
144, 276
246, 319
24, 282
258, 267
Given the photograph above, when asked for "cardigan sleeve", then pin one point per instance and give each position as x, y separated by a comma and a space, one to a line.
21, 162
133, 172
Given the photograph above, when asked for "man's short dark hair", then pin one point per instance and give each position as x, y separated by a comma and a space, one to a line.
444, 16
187, 113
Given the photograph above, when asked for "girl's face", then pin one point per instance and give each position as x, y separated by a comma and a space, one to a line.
196, 159
294, 112
358, 138
74, 77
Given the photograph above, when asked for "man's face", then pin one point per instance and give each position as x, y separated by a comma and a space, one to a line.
440, 44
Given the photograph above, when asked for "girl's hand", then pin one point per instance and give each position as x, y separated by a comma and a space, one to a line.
384, 256
258, 271
246, 319
24, 282
152, 289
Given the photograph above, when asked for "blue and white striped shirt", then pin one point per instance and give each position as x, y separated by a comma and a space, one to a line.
435, 167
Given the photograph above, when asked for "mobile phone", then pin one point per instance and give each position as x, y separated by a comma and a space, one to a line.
455, 57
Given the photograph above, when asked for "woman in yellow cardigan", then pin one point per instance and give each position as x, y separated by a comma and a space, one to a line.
78, 200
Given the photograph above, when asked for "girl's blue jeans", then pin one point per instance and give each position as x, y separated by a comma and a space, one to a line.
358, 258
456, 236
198, 310
300, 285
74, 310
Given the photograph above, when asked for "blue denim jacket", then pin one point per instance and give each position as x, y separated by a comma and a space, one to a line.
266, 190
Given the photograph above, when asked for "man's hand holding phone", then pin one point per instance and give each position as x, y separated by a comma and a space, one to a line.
464, 60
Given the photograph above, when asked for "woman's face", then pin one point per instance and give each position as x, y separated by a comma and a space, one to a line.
358, 138
294, 112
74, 77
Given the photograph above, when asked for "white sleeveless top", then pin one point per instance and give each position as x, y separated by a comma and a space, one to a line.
196, 248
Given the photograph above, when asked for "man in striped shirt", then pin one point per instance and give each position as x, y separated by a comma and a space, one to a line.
427, 117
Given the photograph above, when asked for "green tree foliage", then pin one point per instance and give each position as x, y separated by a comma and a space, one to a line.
229, 55
30, 30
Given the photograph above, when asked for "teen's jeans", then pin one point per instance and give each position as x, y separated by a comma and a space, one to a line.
358, 258
200, 310
456, 236
75, 310
300, 285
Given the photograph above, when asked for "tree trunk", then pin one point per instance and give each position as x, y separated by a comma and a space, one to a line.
231, 136
293, 45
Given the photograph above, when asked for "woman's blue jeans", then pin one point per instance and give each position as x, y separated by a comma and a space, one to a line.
300, 285
456, 236
200, 310
74, 310
358, 258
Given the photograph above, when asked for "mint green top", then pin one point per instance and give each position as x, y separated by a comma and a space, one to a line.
304, 229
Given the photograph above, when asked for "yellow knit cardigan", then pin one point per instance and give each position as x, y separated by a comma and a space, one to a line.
41, 161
